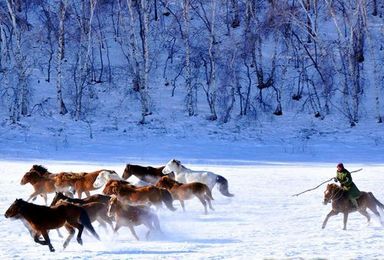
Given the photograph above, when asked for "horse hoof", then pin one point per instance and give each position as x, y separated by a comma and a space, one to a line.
51, 249
80, 241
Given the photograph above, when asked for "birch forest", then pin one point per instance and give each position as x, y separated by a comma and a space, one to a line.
227, 59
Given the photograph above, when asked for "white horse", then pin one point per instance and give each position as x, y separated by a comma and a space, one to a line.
105, 176
185, 175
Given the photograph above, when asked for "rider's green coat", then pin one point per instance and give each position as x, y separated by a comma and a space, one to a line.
345, 179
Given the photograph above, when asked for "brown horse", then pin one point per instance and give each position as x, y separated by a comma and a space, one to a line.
127, 215
187, 191
42, 181
41, 219
130, 194
79, 182
95, 205
341, 203
145, 173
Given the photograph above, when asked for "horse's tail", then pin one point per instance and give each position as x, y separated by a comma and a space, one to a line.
166, 197
208, 192
381, 205
223, 186
86, 221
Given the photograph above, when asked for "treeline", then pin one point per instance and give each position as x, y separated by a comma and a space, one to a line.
244, 56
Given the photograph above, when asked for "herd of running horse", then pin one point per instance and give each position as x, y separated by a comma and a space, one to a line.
125, 203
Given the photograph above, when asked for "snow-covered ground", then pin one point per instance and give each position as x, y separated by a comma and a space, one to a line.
262, 221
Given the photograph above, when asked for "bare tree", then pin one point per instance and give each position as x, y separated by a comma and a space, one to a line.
59, 58
191, 90
21, 91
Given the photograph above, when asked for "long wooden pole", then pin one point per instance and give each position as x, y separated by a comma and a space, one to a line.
297, 194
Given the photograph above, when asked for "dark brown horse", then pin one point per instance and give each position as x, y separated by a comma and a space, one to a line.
341, 204
95, 205
130, 216
187, 191
79, 182
145, 173
41, 219
42, 181
130, 194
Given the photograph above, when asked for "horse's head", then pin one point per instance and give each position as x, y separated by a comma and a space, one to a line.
127, 172
165, 182
329, 193
57, 197
32, 176
111, 187
14, 209
172, 166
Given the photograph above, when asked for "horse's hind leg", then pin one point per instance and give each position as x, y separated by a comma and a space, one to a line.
48, 241
182, 205
376, 212
208, 199
80, 227
37, 240
202, 200
45, 197
71, 231
148, 224
58, 232
133, 232
345, 219
365, 213
330, 214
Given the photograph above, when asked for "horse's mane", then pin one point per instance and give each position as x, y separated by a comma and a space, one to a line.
334, 186
40, 169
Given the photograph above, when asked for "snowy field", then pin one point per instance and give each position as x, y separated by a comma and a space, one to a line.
263, 220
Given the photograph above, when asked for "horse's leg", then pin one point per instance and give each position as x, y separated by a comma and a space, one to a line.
37, 240
330, 214
117, 227
102, 223
345, 219
208, 199
45, 197
202, 200
33, 195
58, 232
365, 214
106, 219
87, 193
47, 240
148, 224
80, 227
376, 212
182, 205
133, 231
71, 231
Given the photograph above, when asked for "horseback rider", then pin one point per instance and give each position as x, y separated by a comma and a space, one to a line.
344, 177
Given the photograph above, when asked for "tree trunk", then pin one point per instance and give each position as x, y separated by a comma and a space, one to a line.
188, 80
60, 56
21, 93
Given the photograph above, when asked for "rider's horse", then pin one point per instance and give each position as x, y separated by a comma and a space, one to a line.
341, 203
